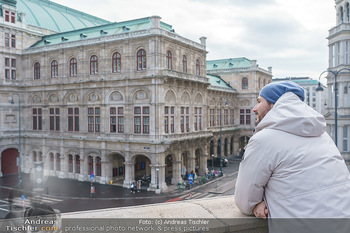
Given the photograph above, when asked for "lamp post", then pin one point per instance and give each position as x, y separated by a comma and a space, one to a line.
19, 139
157, 189
226, 104
212, 162
335, 73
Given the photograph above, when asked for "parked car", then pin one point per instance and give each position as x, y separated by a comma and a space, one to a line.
217, 162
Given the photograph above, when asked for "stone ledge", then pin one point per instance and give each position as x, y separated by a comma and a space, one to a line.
222, 212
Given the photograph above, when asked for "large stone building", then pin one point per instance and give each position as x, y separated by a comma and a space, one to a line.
339, 65
119, 100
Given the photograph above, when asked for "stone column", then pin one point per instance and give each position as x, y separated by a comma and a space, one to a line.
129, 174
82, 169
203, 164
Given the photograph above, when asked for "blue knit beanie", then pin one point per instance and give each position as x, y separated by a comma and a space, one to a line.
273, 91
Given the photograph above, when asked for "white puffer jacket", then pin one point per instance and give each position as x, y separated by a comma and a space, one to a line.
293, 164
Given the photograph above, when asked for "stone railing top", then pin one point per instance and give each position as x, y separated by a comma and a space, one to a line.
219, 214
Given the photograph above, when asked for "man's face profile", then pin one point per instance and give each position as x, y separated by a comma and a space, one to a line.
261, 109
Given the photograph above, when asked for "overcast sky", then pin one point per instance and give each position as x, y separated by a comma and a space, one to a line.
288, 35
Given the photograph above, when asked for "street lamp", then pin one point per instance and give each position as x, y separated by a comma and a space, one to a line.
226, 104
212, 162
335, 73
157, 169
19, 139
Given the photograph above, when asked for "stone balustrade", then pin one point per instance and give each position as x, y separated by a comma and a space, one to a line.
218, 214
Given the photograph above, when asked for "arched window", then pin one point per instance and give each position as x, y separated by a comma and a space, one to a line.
141, 59
34, 157
116, 62
54, 69
98, 166
73, 67
37, 70
198, 67
93, 64
244, 83
348, 12
70, 163
184, 64
169, 60
77, 164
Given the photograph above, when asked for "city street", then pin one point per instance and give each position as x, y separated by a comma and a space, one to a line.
71, 195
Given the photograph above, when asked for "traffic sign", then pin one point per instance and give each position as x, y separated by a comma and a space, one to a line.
92, 177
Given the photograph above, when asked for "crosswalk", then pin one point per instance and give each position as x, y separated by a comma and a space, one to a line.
46, 200
196, 195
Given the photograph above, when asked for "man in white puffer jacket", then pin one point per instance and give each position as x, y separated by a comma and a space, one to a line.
291, 166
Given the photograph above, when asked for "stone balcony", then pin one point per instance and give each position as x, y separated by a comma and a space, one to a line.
217, 215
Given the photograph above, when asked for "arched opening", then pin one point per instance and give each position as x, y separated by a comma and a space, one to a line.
211, 148
168, 169
118, 168
142, 170
9, 161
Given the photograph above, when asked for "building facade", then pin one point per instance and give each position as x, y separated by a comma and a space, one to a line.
339, 49
117, 100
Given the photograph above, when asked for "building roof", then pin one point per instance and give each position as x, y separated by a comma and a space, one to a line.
230, 63
300, 80
53, 16
98, 31
216, 81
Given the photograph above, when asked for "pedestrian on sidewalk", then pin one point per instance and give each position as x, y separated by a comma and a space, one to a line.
133, 187
138, 185
291, 166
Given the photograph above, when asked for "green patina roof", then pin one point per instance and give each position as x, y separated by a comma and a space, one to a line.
230, 63
98, 31
217, 81
53, 16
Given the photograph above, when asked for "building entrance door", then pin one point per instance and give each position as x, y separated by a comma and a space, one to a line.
9, 161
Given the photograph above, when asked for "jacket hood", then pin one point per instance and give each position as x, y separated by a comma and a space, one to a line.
291, 115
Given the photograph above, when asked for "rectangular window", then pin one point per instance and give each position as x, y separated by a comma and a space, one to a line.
13, 17
141, 120
232, 117
212, 117
7, 40
7, 16
185, 119
244, 116
13, 41
116, 119
218, 116
73, 119
225, 116
94, 120
197, 118
37, 119
54, 119
10, 68
169, 126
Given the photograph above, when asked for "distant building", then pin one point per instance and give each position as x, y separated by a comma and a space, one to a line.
117, 100
339, 61
312, 98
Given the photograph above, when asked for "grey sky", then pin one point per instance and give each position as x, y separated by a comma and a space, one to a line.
289, 36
